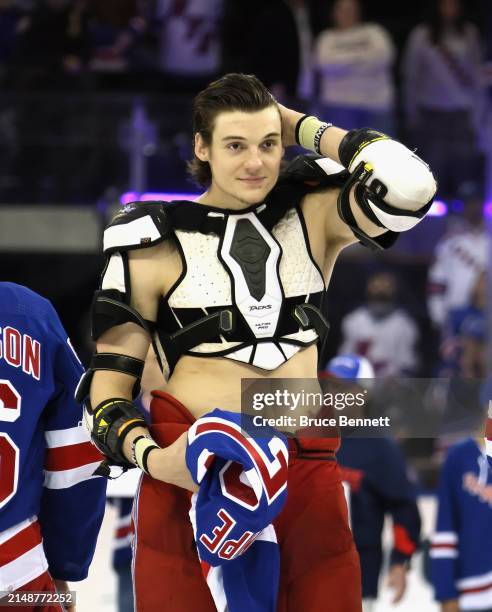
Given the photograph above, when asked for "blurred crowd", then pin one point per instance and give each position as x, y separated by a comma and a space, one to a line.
414, 77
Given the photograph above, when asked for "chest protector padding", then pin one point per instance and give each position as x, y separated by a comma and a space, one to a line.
251, 252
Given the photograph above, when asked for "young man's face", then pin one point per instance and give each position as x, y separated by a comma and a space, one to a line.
244, 156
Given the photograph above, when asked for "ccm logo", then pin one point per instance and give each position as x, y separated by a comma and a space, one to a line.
260, 307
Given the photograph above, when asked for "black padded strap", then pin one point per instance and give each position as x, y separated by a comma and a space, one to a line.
309, 316
117, 363
109, 310
226, 322
347, 216
202, 330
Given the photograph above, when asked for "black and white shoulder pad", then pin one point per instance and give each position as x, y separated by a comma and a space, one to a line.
316, 171
136, 226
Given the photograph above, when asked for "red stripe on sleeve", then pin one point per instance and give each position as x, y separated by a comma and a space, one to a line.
402, 541
71, 456
478, 589
19, 544
121, 532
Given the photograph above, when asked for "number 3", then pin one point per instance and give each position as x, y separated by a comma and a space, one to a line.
10, 409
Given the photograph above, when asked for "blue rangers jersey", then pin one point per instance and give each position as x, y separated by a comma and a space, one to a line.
243, 487
51, 507
461, 558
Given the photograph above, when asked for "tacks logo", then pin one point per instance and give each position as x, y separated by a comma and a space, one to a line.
264, 307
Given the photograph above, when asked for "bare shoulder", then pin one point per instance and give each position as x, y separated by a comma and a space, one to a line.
152, 270
320, 212
155, 253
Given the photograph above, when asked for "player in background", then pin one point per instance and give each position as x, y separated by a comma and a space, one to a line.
51, 507
461, 547
375, 471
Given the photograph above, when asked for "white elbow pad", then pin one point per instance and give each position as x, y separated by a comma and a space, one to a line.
399, 177
394, 188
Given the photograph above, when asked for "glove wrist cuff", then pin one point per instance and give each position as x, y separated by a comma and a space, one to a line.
309, 131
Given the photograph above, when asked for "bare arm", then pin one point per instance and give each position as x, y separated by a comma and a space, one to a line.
336, 230
129, 339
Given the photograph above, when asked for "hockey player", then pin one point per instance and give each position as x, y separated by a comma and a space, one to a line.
375, 471
461, 562
230, 287
50, 506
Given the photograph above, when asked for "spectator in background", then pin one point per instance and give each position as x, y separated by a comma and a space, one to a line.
459, 260
189, 42
374, 468
443, 96
116, 27
53, 42
462, 349
354, 64
381, 331
461, 559
474, 333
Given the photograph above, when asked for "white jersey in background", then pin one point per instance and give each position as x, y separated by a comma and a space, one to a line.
189, 39
458, 262
388, 343
355, 67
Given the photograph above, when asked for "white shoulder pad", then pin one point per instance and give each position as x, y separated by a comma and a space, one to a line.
329, 166
138, 225
404, 180
132, 234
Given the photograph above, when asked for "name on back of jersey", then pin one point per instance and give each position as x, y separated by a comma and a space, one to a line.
20, 350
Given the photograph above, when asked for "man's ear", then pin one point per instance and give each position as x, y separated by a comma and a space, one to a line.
201, 148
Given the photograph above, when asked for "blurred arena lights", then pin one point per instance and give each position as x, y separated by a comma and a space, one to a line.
438, 208
134, 196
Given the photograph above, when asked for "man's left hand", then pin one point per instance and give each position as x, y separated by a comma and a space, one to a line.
397, 581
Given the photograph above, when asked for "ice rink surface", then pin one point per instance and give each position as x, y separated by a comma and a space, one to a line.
98, 592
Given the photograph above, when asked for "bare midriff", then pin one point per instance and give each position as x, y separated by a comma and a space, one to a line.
204, 383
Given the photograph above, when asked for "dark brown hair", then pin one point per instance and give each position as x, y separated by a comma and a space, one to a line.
241, 92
